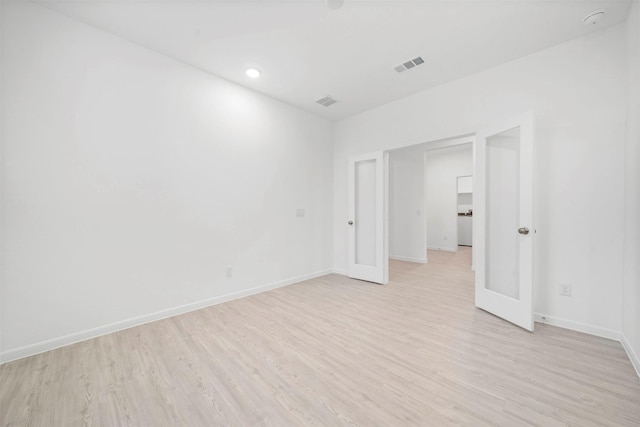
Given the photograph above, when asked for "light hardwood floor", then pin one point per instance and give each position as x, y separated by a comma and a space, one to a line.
332, 351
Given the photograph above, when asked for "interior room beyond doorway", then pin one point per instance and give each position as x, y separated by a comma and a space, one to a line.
425, 199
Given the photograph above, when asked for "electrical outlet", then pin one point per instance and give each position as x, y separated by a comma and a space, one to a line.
445, 238
228, 271
299, 212
565, 289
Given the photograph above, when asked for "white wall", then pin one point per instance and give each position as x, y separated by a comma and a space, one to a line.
443, 167
130, 180
577, 91
406, 205
631, 276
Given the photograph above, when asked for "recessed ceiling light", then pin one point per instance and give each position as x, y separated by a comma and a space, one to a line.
254, 73
334, 4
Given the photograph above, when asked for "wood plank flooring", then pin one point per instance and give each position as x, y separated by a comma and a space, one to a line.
332, 351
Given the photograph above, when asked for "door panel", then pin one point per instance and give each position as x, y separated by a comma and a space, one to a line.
503, 215
367, 224
365, 211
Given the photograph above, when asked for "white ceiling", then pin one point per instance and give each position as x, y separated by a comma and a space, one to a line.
307, 51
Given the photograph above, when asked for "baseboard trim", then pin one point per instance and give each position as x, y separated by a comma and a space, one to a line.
408, 259
339, 271
437, 248
633, 357
52, 344
577, 326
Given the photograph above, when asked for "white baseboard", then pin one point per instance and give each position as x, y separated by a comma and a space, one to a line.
339, 271
408, 259
635, 360
76, 337
437, 248
577, 326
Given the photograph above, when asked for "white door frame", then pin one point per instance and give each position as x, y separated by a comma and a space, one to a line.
440, 142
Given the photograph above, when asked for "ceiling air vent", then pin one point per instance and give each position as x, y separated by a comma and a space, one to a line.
326, 101
409, 64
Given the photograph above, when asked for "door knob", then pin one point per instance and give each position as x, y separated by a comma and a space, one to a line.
523, 230
350, 223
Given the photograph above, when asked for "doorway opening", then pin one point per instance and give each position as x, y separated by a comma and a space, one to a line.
425, 199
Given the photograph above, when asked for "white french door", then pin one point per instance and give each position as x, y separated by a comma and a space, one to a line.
503, 220
368, 219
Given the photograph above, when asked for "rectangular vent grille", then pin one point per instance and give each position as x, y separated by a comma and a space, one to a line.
409, 64
326, 101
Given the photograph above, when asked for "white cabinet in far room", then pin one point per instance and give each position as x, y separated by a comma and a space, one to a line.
465, 184
465, 210
465, 230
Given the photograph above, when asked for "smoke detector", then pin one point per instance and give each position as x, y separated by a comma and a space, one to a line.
334, 4
593, 18
326, 101
409, 64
